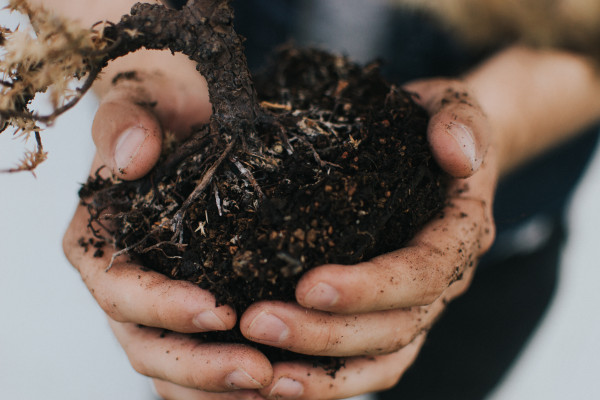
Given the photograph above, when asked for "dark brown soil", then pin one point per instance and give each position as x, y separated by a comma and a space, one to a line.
339, 172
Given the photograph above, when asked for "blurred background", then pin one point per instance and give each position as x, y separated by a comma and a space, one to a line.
55, 342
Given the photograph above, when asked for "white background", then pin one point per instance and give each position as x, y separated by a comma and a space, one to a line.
55, 343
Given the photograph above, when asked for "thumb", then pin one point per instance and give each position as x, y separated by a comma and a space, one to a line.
128, 125
128, 136
458, 131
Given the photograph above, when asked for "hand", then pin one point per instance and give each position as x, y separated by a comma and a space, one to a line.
377, 312
141, 304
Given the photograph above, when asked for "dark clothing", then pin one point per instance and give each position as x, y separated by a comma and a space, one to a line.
475, 342
481, 333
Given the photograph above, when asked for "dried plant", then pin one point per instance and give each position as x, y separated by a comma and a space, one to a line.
54, 55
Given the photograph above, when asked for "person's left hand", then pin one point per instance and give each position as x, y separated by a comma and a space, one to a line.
377, 313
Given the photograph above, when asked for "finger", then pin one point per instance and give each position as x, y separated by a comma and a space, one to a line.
170, 391
131, 293
187, 362
128, 137
129, 122
358, 376
458, 132
412, 276
294, 328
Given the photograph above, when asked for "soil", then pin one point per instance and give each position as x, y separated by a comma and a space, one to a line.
317, 160
340, 171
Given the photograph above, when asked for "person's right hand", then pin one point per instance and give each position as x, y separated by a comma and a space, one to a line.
143, 305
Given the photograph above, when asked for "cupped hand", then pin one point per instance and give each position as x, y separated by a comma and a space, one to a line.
376, 312
145, 308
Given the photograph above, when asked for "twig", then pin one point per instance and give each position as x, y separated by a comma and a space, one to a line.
116, 43
119, 253
285, 140
126, 250
276, 106
217, 199
158, 245
288, 258
318, 159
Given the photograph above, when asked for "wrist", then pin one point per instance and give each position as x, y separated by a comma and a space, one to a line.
535, 99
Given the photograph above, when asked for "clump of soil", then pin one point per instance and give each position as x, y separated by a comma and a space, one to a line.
340, 171
343, 173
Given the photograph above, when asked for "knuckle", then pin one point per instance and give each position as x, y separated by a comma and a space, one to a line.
389, 381
462, 289
139, 365
200, 381
161, 317
165, 313
161, 390
436, 286
399, 342
68, 247
111, 309
326, 341
428, 298
437, 270
164, 318
457, 289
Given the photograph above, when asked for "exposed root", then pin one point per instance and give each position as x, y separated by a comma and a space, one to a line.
177, 222
158, 246
248, 175
284, 139
193, 146
322, 163
126, 250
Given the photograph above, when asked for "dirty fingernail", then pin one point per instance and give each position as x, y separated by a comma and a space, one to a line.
466, 141
268, 328
240, 379
208, 321
129, 144
322, 295
287, 388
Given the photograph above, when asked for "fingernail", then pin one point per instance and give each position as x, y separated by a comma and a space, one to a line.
240, 379
268, 328
208, 321
128, 145
321, 295
287, 388
466, 141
